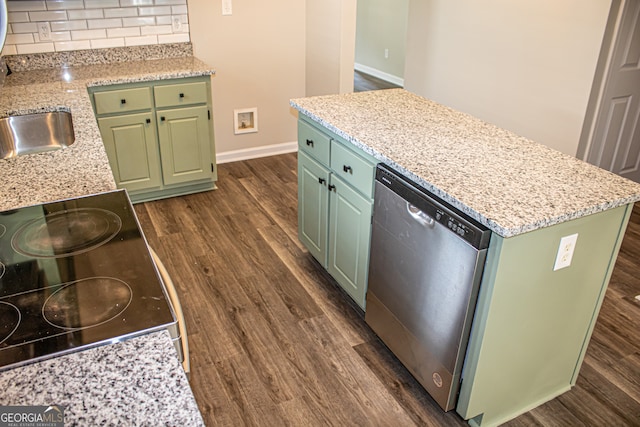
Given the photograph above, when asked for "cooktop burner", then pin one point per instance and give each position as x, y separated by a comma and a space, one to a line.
66, 233
77, 273
9, 320
106, 298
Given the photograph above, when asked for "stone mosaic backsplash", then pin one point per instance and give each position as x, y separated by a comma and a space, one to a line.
37, 26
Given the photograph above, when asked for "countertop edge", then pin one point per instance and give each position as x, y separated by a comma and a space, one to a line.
488, 222
155, 385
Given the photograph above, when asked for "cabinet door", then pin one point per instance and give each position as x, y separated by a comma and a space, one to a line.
130, 143
185, 144
349, 238
313, 206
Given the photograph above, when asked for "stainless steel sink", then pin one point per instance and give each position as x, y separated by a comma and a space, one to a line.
35, 133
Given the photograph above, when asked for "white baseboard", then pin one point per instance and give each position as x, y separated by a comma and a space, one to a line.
379, 74
256, 152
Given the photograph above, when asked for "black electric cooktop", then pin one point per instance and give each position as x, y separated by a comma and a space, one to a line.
75, 274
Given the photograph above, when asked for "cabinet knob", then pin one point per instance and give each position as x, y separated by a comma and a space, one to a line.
310, 142
347, 169
148, 121
332, 188
123, 101
181, 95
322, 181
162, 118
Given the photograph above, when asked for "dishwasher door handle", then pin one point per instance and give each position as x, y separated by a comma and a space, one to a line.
420, 216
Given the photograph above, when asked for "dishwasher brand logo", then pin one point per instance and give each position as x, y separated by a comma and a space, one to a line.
32, 416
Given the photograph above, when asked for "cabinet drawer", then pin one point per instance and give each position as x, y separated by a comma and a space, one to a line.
352, 168
180, 94
123, 100
314, 142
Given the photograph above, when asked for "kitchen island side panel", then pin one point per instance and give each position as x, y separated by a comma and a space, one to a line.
532, 324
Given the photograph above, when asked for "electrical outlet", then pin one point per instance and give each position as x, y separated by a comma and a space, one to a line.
44, 31
227, 7
176, 24
386, 54
565, 251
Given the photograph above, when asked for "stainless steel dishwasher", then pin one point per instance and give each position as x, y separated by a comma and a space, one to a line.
426, 263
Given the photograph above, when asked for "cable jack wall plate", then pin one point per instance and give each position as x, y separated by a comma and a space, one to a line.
245, 120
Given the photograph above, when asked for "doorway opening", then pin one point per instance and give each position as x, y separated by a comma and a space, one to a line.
381, 36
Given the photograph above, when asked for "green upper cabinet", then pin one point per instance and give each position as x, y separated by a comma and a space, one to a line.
335, 190
158, 136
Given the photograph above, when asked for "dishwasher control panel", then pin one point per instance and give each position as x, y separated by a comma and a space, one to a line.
433, 207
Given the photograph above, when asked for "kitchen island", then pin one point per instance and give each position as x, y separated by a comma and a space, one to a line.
138, 381
532, 322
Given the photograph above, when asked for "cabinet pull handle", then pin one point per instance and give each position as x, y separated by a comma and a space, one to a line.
322, 181
148, 121
347, 169
332, 188
310, 142
123, 101
162, 118
181, 95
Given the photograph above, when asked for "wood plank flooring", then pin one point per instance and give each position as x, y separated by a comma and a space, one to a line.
275, 342
363, 82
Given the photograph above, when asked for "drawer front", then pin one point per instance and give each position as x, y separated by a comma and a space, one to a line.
353, 169
123, 100
314, 142
180, 94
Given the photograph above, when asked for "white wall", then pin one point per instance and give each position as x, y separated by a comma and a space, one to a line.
382, 24
330, 46
259, 57
527, 66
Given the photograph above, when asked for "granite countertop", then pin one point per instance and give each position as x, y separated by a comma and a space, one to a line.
83, 168
135, 382
138, 381
509, 183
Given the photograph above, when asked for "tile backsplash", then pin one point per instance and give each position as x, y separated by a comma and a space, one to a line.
63, 25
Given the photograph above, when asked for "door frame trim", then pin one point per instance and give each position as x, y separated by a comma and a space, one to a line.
603, 66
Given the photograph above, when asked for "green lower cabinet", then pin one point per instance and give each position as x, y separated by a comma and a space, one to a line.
349, 238
335, 207
313, 206
158, 136
130, 142
532, 324
185, 150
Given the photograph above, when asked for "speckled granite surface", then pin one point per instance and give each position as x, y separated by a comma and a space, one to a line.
135, 382
37, 61
82, 168
507, 182
132, 383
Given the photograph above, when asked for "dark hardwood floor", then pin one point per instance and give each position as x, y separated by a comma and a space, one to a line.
275, 342
363, 82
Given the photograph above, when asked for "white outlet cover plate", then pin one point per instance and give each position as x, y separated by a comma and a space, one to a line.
565, 251
227, 7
